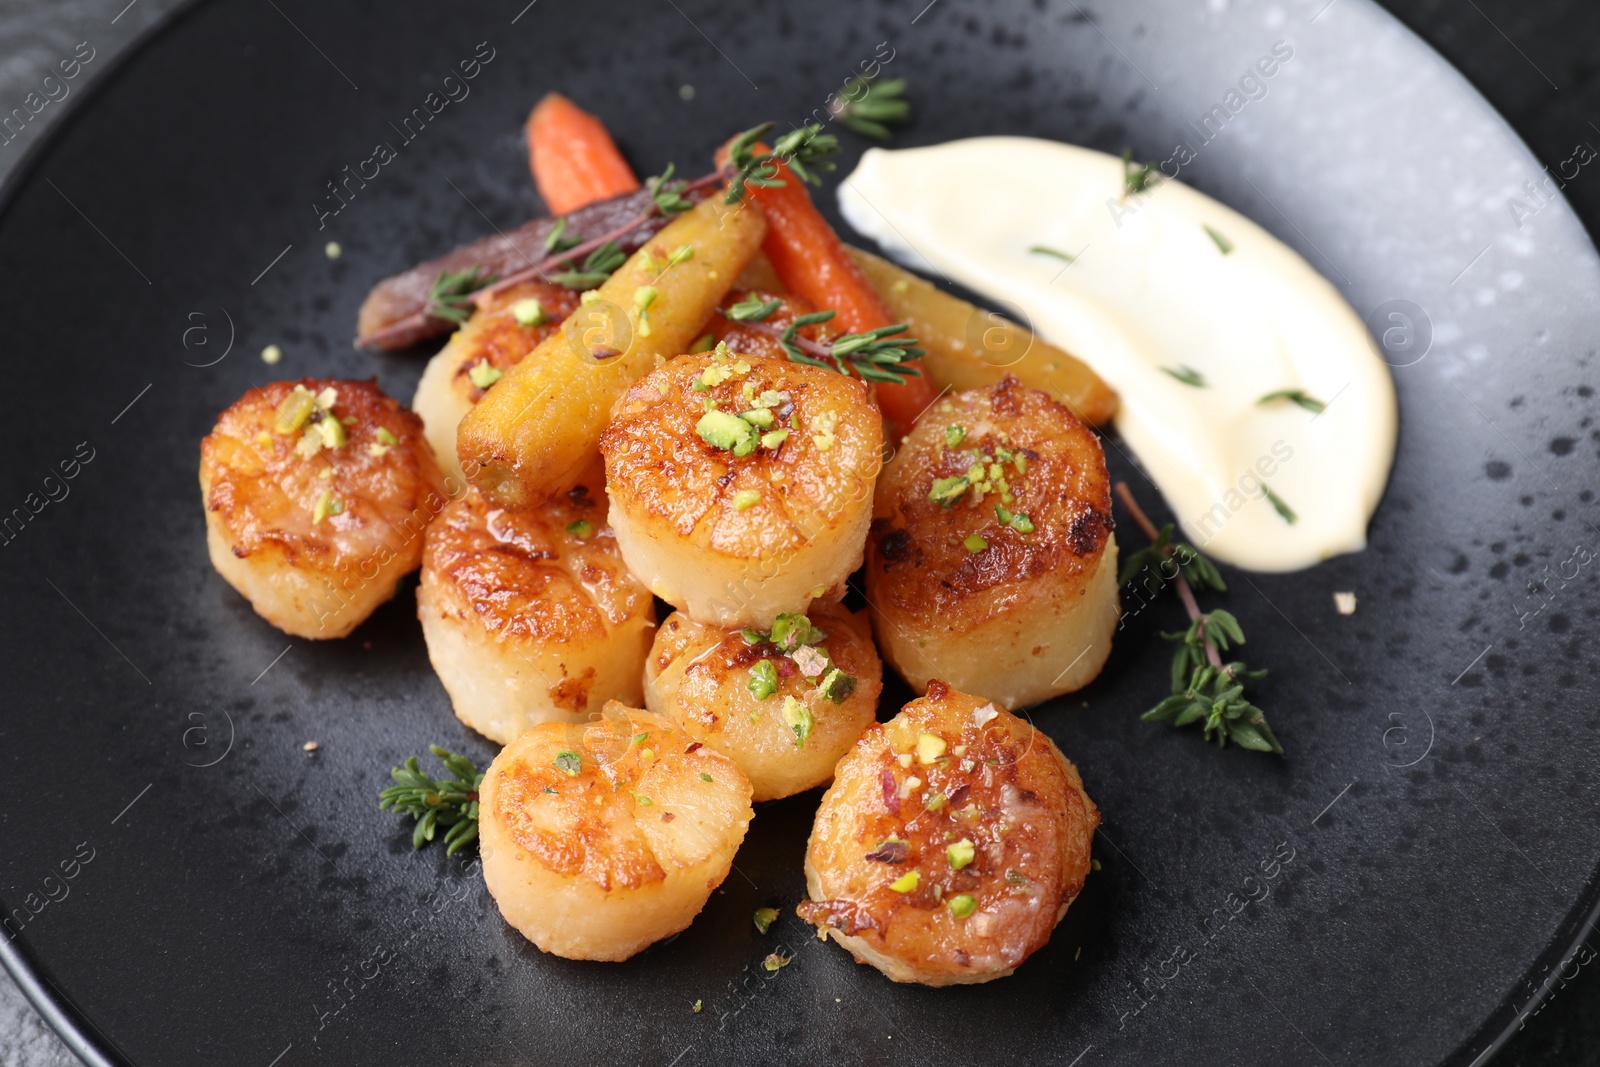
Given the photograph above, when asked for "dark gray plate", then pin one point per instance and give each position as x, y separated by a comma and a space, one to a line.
246, 903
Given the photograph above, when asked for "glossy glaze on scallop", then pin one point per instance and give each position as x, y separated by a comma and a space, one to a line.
741, 485
951, 843
530, 616
991, 563
599, 840
317, 493
784, 715
504, 328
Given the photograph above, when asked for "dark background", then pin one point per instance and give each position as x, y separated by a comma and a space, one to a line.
1538, 63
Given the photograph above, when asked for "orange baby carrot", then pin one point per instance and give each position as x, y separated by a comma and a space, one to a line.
573, 159
811, 261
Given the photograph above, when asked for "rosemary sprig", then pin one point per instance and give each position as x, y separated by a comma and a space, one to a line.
451, 294
557, 240
804, 151
597, 267
1205, 689
876, 355
667, 192
1188, 375
435, 802
870, 107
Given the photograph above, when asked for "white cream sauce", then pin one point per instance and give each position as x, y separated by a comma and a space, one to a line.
1150, 290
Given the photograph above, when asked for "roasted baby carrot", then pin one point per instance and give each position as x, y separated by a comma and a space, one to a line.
573, 158
812, 262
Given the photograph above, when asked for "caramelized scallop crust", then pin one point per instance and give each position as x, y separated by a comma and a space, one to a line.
951, 843
991, 562
741, 485
783, 716
599, 840
530, 616
317, 493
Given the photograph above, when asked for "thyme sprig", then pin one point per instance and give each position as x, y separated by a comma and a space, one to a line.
1205, 688
870, 107
450, 296
804, 151
597, 267
877, 355
434, 802
1138, 177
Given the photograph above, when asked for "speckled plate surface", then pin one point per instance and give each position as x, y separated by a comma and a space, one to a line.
184, 884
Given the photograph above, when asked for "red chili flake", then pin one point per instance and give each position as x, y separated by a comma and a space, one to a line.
891, 792
693, 745
605, 352
667, 816
890, 852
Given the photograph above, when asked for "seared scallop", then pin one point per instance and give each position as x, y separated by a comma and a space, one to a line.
741, 485
530, 616
317, 493
991, 563
599, 840
784, 704
951, 843
503, 329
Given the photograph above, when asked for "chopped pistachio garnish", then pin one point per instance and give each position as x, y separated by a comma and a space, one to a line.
703, 343
837, 686
728, 432
937, 802
1021, 523
568, 763
325, 506
294, 410
640, 738
589, 296
946, 491
310, 443
775, 962
929, 748
822, 430
763, 680
483, 375
327, 398
697, 1006
715, 374
385, 437
799, 718
264, 439
906, 882
975, 543
764, 918
811, 662
761, 417
790, 631
642, 800
773, 440
581, 529
962, 905
954, 435
745, 499
332, 431
961, 853
644, 296
681, 254
1094, 864
704, 777
752, 637
529, 313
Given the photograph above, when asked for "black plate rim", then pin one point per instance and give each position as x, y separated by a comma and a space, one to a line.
90, 1045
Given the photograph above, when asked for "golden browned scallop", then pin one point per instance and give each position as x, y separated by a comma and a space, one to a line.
741, 485
506, 326
530, 616
951, 843
317, 493
991, 562
784, 705
599, 840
